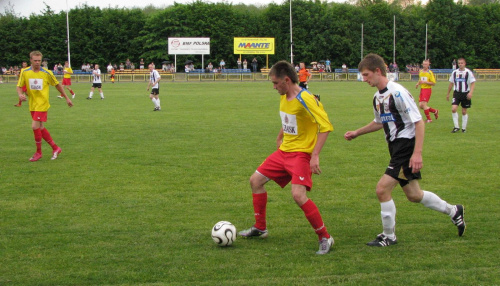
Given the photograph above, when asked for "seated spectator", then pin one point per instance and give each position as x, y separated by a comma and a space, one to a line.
122, 67
344, 68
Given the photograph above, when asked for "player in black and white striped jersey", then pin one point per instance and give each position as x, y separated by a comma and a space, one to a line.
397, 114
154, 81
462, 81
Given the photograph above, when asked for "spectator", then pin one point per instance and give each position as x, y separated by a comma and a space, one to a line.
245, 64
222, 64
344, 68
239, 63
127, 63
141, 64
109, 67
328, 66
254, 64
210, 67
122, 67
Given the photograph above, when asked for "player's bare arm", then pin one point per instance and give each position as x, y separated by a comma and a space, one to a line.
314, 163
20, 93
61, 91
469, 95
416, 161
450, 86
279, 139
370, 127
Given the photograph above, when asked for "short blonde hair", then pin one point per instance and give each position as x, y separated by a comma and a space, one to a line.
35, 53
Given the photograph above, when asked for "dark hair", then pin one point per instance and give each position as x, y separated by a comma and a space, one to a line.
372, 62
284, 69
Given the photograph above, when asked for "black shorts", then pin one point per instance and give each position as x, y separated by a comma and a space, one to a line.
401, 151
460, 98
303, 84
98, 85
155, 91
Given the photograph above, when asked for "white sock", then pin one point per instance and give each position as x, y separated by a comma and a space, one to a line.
455, 119
388, 214
154, 102
465, 118
91, 94
434, 202
158, 100
102, 95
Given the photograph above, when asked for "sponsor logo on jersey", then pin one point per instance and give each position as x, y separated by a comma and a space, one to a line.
36, 83
387, 117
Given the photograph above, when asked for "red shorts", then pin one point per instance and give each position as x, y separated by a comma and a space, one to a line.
283, 167
425, 94
39, 116
66, 81
24, 89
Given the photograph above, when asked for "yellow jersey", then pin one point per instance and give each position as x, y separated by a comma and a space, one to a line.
68, 72
426, 76
302, 118
37, 87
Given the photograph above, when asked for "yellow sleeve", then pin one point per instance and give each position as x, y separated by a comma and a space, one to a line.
319, 114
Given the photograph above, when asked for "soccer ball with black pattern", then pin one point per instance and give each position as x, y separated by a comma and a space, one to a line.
224, 233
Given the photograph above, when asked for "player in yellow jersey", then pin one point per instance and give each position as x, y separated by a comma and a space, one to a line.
66, 83
37, 80
305, 128
426, 82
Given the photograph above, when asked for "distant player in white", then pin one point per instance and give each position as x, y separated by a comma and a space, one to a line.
154, 81
462, 81
97, 82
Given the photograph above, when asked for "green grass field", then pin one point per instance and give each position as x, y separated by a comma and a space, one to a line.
133, 196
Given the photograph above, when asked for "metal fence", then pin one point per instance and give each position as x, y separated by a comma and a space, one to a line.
247, 77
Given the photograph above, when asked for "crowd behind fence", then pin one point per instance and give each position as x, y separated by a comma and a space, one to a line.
350, 75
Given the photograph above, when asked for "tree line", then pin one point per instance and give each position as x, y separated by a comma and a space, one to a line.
320, 31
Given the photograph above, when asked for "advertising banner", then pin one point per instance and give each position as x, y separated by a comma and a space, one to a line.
254, 46
188, 46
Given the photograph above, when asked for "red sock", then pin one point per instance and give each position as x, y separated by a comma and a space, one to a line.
259, 207
314, 217
72, 92
432, 110
46, 136
427, 114
20, 102
38, 140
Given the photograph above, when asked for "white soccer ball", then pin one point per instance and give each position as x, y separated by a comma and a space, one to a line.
224, 233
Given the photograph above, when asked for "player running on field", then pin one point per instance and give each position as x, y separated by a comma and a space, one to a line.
305, 128
426, 82
396, 113
66, 83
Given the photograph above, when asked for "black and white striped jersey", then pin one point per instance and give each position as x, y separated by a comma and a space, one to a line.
395, 108
462, 80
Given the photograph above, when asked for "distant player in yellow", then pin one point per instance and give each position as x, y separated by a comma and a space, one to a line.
66, 83
37, 80
304, 129
426, 80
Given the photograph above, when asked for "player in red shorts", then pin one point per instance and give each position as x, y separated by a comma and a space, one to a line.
426, 82
66, 83
37, 81
305, 128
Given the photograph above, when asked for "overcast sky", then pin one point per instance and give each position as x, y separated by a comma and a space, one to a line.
25, 8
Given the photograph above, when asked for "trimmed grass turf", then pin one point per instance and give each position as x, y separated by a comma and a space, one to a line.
134, 194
